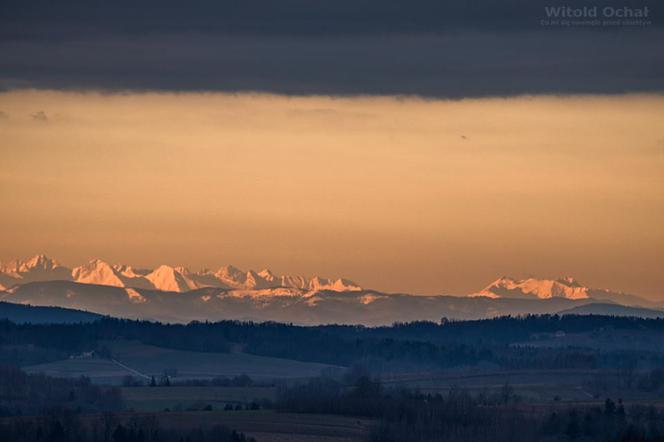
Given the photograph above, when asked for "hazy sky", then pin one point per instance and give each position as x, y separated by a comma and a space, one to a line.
399, 194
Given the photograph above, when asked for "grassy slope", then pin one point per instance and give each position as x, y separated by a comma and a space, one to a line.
150, 360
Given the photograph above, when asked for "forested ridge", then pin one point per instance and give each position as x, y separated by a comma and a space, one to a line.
444, 344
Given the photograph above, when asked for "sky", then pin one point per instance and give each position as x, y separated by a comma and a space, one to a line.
399, 194
428, 147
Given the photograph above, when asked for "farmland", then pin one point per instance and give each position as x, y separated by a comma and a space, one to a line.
506, 379
542, 387
264, 426
184, 397
268, 426
131, 358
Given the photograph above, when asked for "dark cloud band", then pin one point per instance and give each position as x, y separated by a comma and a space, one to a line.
426, 47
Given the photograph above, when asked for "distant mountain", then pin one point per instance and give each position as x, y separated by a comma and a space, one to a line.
41, 268
37, 268
613, 310
22, 314
567, 288
283, 304
177, 294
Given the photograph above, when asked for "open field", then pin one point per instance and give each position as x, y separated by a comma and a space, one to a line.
100, 371
533, 386
264, 425
144, 361
269, 426
183, 398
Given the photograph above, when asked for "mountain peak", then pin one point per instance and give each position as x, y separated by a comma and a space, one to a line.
37, 268
338, 285
165, 270
170, 279
507, 287
164, 277
182, 269
569, 280
231, 276
96, 262
41, 258
40, 262
129, 271
229, 270
99, 272
267, 275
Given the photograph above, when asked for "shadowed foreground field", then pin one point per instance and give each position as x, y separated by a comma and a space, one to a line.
183, 398
263, 425
454, 381
268, 426
129, 358
541, 387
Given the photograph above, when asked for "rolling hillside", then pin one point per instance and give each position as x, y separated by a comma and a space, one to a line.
143, 361
21, 314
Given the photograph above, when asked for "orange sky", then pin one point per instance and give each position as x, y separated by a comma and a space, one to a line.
399, 194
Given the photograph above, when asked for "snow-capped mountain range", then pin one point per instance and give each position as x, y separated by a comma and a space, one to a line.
176, 294
164, 277
532, 288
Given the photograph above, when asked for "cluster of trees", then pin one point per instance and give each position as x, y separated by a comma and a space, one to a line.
651, 381
71, 427
242, 380
407, 416
419, 344
31, 394
357, 394
28, 354
609, 423
522, 357
626, 377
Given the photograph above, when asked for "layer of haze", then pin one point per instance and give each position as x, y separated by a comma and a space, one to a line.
398, 194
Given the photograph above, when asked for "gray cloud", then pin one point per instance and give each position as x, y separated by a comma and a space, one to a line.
48, 19
427, 47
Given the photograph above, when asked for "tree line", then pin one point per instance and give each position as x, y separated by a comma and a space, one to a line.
409, 416
436, 345
69, 426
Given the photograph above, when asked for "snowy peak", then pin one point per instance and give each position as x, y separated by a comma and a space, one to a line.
37, 268
566, 287
254, 281
38, 262
569, 281
231, 276
98, 272
166, 278
267, 275
171, 279
129, 271
338, 285
182, 270
507, 287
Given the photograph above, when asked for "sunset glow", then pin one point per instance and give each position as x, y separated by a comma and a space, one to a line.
399, 194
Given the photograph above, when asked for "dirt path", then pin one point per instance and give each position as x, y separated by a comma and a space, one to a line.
136, 372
